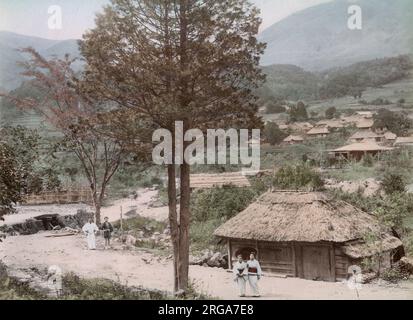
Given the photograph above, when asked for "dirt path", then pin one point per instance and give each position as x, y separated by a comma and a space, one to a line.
140, 268
131, 207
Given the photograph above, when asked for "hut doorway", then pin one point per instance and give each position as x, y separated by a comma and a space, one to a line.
245, 252
316, 263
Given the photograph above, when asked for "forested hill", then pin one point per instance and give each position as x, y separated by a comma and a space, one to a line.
288, 82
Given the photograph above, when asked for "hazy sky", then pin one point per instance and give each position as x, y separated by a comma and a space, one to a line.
30, 17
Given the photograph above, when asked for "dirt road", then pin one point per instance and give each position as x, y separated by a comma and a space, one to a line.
141, 268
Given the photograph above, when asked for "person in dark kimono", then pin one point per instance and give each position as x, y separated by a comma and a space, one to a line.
107, 231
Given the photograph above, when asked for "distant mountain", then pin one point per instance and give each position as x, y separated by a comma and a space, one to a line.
10, 77
318, 38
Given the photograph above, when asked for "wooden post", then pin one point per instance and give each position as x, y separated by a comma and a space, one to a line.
121, 220
229, 255
333, 275
295, 273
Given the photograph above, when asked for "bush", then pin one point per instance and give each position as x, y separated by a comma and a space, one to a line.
220, 203
273, 133
297, 178
393, 183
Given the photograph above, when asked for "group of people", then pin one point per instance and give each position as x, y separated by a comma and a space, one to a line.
247, 271
90, 229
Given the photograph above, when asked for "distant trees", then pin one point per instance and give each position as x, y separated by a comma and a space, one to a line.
33, 159
10, 179
397, 123
331, 113
298, 112
273, 134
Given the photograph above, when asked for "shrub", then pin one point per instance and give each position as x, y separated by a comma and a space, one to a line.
297, 178
220, 203
273, 133
393, 183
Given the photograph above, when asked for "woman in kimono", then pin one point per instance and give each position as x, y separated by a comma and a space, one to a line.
240, 275
254, 274
90, 229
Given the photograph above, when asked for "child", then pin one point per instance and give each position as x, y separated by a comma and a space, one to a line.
107, 231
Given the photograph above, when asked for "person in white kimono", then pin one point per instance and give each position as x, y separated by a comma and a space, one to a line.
90, 229
254, 274
240, 272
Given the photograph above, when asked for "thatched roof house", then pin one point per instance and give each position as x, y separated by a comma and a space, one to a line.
208, 181
404, 141
357, 151
365, 124
305, 235
293, 139
318, 132
359, 136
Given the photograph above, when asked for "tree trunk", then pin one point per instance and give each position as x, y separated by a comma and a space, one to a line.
184, 221
96, 203
173, 222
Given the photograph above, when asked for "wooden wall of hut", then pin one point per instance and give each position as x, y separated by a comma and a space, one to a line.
312, 261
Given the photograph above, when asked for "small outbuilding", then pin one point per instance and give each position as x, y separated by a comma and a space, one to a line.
219, 180
307, 235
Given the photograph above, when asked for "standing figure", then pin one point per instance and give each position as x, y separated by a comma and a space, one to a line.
90, 229
240, 272
254, 274
107, 231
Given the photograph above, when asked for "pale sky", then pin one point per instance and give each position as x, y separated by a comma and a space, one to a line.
30, 17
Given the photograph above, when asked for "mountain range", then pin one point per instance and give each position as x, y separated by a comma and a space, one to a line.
315, 39
10, 77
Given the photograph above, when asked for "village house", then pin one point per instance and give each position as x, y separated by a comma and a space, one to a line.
365, 123
293, 139
403, 141
334, 124
361, 135
307, 235
209, 181
357, 151
318, 132
365, 114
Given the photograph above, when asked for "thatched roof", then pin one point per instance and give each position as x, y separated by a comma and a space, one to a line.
361, 249
294, 139
299, 216
390, 135
365, 146
368, 134
365, 124
318, 131
207, 181
335, 123
404, 141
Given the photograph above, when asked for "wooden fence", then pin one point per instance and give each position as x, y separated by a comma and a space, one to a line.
81, 195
